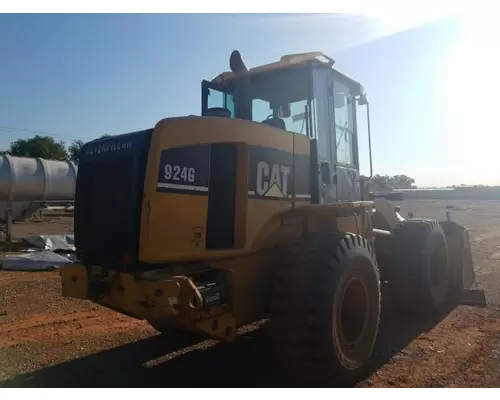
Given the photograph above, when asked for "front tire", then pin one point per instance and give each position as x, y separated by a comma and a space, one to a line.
326, 308
419, 276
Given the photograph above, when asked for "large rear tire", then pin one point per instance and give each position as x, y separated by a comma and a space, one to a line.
326, 308
418, 278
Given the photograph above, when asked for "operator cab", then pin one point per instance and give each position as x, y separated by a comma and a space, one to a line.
301, 94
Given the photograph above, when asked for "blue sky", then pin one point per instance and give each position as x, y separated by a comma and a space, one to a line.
80, 76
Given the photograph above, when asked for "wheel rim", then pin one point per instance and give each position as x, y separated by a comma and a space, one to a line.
353, 311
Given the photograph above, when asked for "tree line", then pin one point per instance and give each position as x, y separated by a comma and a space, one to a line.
46, 147
397, 181
388, 182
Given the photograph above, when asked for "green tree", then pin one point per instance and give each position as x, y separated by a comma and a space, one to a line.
75, 149
403, 182
39, 146
386, 182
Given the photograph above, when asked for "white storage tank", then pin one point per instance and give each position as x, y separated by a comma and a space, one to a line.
31, 179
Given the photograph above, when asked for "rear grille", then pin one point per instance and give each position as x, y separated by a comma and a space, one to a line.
108, 199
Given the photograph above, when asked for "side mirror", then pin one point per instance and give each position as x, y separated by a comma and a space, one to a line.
362, 101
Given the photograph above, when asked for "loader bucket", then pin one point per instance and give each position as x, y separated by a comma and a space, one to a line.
461, 266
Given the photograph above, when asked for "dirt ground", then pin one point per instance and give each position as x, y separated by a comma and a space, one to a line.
50, 341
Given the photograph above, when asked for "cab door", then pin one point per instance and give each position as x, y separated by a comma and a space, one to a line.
322, 115
344, 141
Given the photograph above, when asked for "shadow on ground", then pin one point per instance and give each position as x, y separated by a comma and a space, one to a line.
154, 362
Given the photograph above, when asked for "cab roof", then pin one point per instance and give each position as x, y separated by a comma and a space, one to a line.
317, 58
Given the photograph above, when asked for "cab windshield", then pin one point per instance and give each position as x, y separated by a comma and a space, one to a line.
280, 98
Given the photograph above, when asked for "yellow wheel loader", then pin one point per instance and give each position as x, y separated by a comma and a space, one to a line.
256, 210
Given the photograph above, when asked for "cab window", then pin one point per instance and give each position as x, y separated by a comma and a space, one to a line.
296, 122
283, 95
261, 110
279, 98
217, 99
344, 103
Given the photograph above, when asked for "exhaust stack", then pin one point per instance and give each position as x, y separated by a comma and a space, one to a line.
243, 94
236, 63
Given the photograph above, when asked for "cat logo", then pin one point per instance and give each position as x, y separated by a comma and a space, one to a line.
272, 180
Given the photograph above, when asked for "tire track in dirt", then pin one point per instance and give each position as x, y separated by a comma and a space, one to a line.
61, 329
438, 359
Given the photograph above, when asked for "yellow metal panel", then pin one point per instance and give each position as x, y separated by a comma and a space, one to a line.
177, 225
74, 281
222, 327
173, 226
151, 300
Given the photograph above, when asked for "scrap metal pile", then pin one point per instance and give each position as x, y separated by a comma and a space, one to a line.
42, 253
